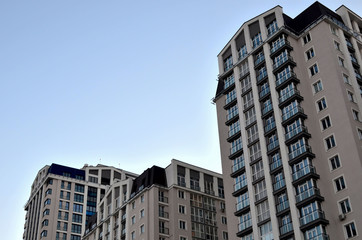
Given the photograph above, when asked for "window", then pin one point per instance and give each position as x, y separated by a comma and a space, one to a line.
142, 213
77, 218
333, 30
48, 192
326, 123
257, 40
346, 79
359, 131
330, 142
222, 205
266, 231
242, 52
355, 115
133, 235
350, 97
322, 104
142, 229
73, 237
337, 46
345, 206
44, 233
260, 190
350, 230
77, 208
76, 228
45, 223
182, 224
79, 188
133, 220
335, 162
317, 86
225, 236
133, 205
93, 179
47, 202
228, 63
223, 220
46, 212
272, 27
340, 184
263, 211
257, 170
341, 61
78, 198
142, 198
181, 194
307, 39
181, 209
310, 53
313, 70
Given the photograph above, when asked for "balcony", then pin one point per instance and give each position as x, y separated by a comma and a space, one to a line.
237, 168
278, 185
244, 72
267, 109
264, 216
354, 62
253, 138
299, 153
289, 96
358, 76
290, 115
242, 206
230, 101
250, 121
264, 93
233, 134
258, 175
262, 76
296, 133
259, 61
245, 89
195, 187
164, 231
236, 151
261, 195
301, 174
349, 46
268, 128
281, 82
240, 185
307, 220
229, 84
281, 207
254, 157
273, 146
244, 227
163, 214
248, 104
232, 117
275, 165
287, 59
281, 45
287, 228
321, 236
163, 199
311, 192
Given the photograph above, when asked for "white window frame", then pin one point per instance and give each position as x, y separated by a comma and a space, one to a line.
335, 186
326, 139
345, 231
341, 62
304, 38
340, 207
311, 74
330, 162
317, 104
356, 118
359, 133
316, 84
183, 223
336, 45
350, 96
346, 79
321, 122
309, 56
181, 206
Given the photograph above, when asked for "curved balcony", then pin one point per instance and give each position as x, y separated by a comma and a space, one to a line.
259, 61
238, 168
283, 81
242, 207
236, 151
261, 77
269, 128
285, 229
289, 96
244, 72
264, 93
286, 60
275, 165
278, 185
282, 207
245, 89
272, 146
244, 228
240, 187
266, 110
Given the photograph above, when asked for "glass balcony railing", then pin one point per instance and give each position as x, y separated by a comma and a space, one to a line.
275, 164
243, 204
299, 151
230, 99
264, 216
229, 82
236, 148
164, 230
278, 45
246, 88
232, 114
244, 71
163, 214
284, 78
248, 103
238, 166
286, 228
273, 145
317, 214
282, 206
255, 156
240, 185
321, 236
267, 109
259, 60
307, 194
269, 127
264, 92
163, 199
292, 112
260, 195
261, 75
250, 120
244, 225
253, 138
294, 132
258, 175
282, 61
278, 185
288, 95
304, 171
234, 131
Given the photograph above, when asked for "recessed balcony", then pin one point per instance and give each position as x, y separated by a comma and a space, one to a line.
289, 96
273, 146
250, 121
284, 61
254, 157
275, 165
350, 46
244, 72
266, 110
321, 236
233, 134
229, 102
236, 151
245, 89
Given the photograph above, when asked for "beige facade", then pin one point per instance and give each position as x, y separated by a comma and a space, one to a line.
288, 104
179, 202
63, 199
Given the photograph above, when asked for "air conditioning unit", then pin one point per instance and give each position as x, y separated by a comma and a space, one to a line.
342, 216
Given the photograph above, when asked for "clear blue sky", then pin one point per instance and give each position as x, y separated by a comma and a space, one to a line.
127, 82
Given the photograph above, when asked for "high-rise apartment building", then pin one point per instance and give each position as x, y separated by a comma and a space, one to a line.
289, 115
64, 199
179, 202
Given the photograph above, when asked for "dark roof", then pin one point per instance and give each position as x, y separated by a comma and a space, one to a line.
153, 175
309, 16
60, 170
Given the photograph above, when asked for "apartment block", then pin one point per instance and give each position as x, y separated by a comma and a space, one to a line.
178, 202
288, 104
64, 199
